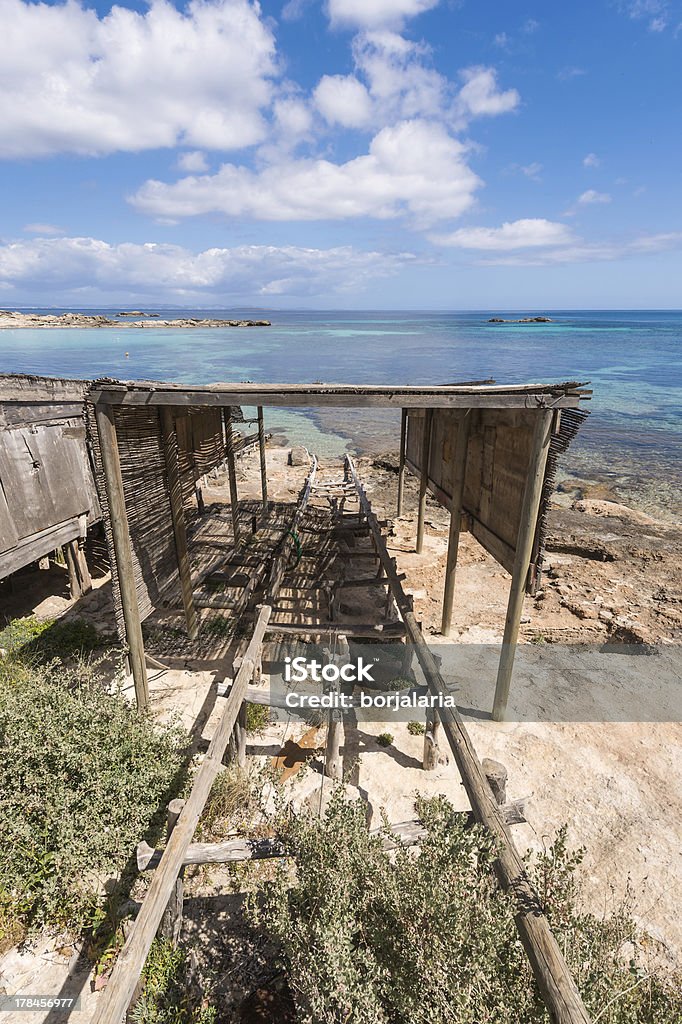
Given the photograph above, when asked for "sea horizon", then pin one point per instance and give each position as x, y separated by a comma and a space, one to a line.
629, 443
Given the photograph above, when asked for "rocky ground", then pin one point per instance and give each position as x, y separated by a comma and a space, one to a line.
15, 319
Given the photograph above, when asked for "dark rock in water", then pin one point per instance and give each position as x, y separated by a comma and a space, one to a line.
524, 320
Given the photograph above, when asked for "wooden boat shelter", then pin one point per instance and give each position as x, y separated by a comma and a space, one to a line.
487, 452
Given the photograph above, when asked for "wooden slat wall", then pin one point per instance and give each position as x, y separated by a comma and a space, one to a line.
46, 475
497, 460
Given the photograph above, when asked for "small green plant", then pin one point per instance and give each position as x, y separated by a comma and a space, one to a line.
230, 802
219, 626
384, 739
257, 718
416, 728
168, 996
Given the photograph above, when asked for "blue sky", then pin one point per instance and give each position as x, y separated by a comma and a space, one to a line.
346, 154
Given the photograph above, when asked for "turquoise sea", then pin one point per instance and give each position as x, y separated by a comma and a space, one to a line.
632, 359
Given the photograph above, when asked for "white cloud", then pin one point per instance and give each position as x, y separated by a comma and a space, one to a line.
43, 229
656, 12
75, 82
502, 40
412, 168
344, 100
591, 160
480, 97
566, 74
591, 197
530, 26
371, 14
518, 234
591, 252
532, 171
88, 266
194, 161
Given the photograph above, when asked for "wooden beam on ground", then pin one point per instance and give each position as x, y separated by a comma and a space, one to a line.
114, 1001
401, 463
556, 985
424, 480
169, 441
460, 461
263, 465
404, 833
111, 464
232, 472
530, 508
394, 630
80, 581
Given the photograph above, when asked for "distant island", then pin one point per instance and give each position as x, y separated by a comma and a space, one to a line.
524, 320
16, 319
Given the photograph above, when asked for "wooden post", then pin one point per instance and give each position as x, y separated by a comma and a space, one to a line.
237, 747
263, 468
431, 751
401, 465
170, 454
106, 428
232, 472
332, 761
524, 545
424, 479
80, 581
460, 462
171, 922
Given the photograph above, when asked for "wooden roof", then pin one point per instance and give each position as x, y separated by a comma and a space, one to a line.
467, 395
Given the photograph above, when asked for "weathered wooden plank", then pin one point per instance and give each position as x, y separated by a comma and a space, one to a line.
111, 464
459, 460
532, 496
115, 999
169, 442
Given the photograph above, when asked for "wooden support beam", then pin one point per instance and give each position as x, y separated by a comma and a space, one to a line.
401, 463
263, 466
333, 767
385, 630
530, 508
424, 480
556, 985
80, 581
169, 442
404, 833
114, 1001
111, 464
431, 749
460, 461
171, 922
232, 472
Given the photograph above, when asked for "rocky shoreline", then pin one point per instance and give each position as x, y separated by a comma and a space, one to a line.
15, 319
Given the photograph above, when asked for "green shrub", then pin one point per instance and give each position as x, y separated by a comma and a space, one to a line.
82, 777
168, 997
371, 937
36, 639
257, 718
384, 739
416, 728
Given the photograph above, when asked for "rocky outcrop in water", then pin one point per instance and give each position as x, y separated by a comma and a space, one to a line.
16, 319
524, 320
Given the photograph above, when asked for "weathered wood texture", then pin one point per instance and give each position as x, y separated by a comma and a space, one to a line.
554, 980
169, 440
47, 489
474, 395
117, 520
115, 999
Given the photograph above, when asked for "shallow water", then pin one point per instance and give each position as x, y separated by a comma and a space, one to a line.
632, 359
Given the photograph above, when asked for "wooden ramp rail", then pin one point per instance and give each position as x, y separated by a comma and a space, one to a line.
559, 992
116, 998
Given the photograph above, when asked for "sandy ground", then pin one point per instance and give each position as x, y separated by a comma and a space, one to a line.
610, 575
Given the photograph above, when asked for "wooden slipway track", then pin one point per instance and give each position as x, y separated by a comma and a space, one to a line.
333, 549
